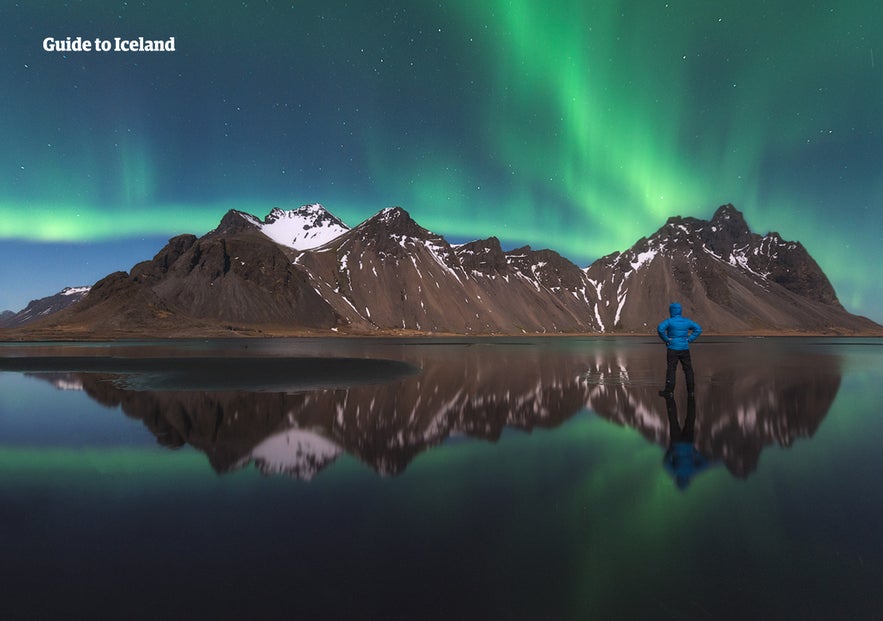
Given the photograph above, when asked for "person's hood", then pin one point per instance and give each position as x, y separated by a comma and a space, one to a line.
675, 309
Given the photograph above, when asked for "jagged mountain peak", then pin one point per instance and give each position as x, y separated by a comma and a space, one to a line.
313, 212
726, 234
487, 245
393, 213
684, 222
235, 221
726, 237
728, 213
483, 255
543, 255
393, 223
727, 230
396, 219
677, 234
726, 217
304, 228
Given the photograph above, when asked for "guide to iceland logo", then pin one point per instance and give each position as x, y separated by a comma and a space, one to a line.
114, 44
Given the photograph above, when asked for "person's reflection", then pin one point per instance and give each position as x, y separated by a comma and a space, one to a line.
682, 459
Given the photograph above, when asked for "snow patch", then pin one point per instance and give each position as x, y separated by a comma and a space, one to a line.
642, 259
75, 290
304, 228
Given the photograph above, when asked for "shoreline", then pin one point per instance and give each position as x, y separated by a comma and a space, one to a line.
260, 334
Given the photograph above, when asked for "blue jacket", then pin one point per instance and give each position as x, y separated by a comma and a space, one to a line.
678, 332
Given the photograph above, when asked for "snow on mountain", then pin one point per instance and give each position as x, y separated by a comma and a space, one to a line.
37, 309
75, 291
390, 274
726, 276
304, 228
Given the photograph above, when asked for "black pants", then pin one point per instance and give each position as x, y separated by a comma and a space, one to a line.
672, 357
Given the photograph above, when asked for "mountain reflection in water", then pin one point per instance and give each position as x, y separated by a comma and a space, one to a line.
385, 414
748, 397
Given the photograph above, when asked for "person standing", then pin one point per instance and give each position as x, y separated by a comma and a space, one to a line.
677, 332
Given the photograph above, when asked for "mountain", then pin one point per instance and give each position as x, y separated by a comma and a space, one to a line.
389, 273
37, 309
305, 272
230, 277
726, 277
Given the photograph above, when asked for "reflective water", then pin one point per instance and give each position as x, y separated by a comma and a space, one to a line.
441, 479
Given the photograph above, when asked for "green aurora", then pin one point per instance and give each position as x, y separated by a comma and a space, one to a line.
579, 127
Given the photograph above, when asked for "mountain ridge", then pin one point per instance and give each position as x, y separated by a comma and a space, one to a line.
389, 275
43, 307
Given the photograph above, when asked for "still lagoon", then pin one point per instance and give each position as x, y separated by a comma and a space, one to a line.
441, 479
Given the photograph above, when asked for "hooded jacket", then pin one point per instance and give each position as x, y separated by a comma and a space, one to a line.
678, 332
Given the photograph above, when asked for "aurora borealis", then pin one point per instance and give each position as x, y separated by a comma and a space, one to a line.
579, 126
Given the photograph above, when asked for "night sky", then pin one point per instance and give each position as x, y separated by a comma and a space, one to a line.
579, 126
